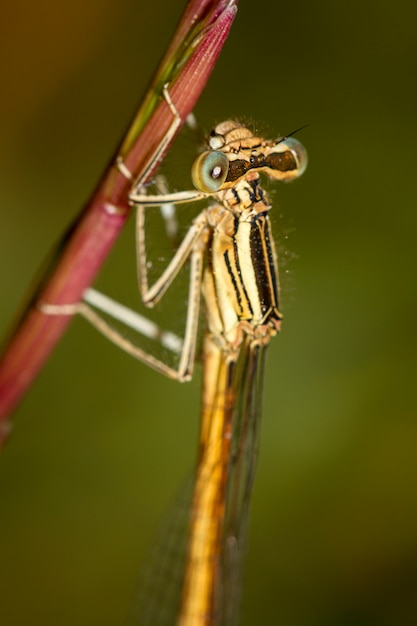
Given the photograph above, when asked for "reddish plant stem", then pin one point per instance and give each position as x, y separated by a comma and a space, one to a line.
98, 227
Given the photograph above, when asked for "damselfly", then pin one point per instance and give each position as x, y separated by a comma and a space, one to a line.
233, 265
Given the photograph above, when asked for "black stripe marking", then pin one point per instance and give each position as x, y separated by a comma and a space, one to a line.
273, 273
264, 266
239, 272
233, 279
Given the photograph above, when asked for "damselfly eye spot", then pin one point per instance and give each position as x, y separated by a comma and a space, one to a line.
217, 171
209, 171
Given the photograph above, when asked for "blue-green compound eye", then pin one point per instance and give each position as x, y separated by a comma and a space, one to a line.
299, 152
209, 171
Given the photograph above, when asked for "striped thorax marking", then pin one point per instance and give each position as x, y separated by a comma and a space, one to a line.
240, 284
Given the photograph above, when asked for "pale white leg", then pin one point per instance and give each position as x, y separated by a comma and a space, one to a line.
137, 194
167, 203
178, 197
159, 151
133, 320
190, 247
168, 210
153, 294
186, 363
138, 323
187, 360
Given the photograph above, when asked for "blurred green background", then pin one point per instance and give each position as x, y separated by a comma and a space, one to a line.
101, 444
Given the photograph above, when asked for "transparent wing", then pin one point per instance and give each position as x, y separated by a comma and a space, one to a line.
246, 426
158, 596
173, 562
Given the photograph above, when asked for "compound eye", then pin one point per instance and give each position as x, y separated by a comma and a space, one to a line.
299, 152
209, 171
